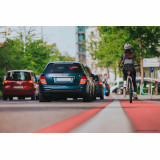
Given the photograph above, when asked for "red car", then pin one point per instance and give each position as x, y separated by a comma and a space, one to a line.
21, 84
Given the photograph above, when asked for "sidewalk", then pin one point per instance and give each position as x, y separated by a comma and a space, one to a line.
155, 98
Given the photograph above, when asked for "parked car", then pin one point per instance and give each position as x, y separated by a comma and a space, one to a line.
99, 87
118, 89
21, 84
65, 80
91, 75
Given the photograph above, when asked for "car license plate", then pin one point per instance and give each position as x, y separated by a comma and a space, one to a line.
17, 87
65, 79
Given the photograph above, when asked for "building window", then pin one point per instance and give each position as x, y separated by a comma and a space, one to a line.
81, 28
84, 56
81, 37
81, 48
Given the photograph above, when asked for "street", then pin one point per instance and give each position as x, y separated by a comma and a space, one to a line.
114, 114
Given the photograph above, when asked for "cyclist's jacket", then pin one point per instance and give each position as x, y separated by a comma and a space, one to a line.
128, 59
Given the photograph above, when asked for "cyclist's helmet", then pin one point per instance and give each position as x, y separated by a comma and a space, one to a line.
127, 46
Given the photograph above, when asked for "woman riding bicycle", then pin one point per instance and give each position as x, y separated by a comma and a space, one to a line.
128, 58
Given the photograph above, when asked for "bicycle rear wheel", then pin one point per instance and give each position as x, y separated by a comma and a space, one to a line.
124, 92
130, 90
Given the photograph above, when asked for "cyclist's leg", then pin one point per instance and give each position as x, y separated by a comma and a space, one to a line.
134, 84
134, 80
124, 77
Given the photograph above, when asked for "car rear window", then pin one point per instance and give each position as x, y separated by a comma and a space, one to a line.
18, 76
96, 78
63, 68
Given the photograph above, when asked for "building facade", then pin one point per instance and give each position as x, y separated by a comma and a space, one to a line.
80, 47
3, 34
90, 32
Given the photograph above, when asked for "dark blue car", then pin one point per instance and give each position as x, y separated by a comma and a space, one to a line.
65, 80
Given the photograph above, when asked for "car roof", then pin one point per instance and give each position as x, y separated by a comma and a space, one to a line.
64, 62
20, 71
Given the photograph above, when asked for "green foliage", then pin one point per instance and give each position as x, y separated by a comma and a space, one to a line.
108, 49
28, 52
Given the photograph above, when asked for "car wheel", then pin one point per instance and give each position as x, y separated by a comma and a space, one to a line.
19, 98
65, 99
23, 98
88, 98
94, 96
107, 94
37, 97
42, 98
5, 97
10, 98
101, 97
33, 97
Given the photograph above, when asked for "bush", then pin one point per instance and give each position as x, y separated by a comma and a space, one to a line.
0, 94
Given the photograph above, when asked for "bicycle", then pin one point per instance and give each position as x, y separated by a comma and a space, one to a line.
129, 89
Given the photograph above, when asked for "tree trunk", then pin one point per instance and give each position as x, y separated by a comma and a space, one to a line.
108, 72
115, 74
141, 55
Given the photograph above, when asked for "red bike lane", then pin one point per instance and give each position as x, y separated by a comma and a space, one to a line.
69, 124
144, 115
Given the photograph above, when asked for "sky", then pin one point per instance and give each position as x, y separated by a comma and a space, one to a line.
63, 36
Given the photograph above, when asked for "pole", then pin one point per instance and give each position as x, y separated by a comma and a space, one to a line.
141, 55
151, 83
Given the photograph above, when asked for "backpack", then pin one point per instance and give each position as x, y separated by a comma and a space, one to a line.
129, 55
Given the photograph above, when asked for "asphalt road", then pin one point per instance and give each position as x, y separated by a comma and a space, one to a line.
27, 116
111, 115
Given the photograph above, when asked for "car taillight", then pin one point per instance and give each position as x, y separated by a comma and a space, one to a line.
83, 80
30, 82
5, 82
43, 80
99, 83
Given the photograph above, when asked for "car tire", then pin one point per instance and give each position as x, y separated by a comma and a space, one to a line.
10, 98
37, 97
88, 98
42, 98
107, 94
5, 97
23, 98
101, 97
33, 97
19, 98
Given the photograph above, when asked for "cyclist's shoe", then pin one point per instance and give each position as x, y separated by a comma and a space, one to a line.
135, 95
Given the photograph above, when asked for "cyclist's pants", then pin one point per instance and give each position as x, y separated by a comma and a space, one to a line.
132, 74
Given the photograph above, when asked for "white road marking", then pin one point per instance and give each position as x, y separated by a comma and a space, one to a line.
111, 119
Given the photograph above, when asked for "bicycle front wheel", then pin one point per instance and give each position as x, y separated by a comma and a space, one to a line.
130, 90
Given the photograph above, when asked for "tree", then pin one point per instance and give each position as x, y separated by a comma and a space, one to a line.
27, 51
107, 51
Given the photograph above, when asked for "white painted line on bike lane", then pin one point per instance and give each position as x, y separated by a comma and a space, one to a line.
111, 119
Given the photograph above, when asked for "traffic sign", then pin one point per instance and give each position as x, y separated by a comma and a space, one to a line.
158, 73
151, 62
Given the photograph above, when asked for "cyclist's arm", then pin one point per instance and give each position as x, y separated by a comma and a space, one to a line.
120, 62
